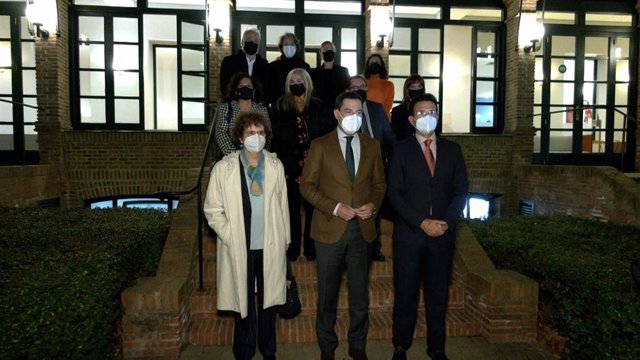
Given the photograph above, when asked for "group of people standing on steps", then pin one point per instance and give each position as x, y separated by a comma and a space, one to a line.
320, 141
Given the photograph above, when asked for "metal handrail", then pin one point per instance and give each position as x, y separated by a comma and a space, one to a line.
197, 187
624, 127
22, 104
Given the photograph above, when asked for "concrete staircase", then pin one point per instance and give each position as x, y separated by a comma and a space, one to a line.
208, 327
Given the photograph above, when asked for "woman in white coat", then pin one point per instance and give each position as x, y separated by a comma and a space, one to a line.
246, 205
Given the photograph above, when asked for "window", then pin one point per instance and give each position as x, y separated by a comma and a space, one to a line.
163, 204
18, 100
138, 68
481, 206
460, 59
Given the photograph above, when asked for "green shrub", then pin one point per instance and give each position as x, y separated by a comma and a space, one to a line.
583, 267
61, 275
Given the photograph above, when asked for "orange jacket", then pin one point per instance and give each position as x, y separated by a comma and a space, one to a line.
381, 91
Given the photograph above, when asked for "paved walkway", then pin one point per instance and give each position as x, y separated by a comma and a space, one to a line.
458, 348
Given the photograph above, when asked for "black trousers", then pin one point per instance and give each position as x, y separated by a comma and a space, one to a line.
353, 252
295, 202
260, 321
421, 263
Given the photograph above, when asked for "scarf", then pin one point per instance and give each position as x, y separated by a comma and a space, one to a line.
255, 173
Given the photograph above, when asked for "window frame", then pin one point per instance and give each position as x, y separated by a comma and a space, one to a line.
19, 155
138, 12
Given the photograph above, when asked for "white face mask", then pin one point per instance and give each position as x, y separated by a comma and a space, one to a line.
351, 124
255, 143
427, 124
289, 51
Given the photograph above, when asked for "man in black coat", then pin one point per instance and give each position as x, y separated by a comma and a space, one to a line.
427, 188
246, 60
279, 69
329, 79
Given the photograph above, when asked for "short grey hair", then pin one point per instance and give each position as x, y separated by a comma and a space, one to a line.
251, 31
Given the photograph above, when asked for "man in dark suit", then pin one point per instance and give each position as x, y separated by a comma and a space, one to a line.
427, 190
329, 79
246, 60
375, 124
343, 178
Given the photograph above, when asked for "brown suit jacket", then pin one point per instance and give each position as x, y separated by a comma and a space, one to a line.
325, 182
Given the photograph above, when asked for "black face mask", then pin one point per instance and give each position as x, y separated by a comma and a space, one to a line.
297, 89
328, 55
245, 93
375, 68
362, 94
250, 48
415, 93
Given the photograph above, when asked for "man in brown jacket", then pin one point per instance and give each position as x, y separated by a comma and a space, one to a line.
343, 178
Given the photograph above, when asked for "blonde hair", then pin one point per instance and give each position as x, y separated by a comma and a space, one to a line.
288, 100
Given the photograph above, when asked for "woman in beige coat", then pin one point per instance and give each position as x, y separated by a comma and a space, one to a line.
247, 194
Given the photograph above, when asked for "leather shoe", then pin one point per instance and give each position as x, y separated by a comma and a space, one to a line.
357, 354
399, 354
439, 355
269, 357
327, 356
377, 256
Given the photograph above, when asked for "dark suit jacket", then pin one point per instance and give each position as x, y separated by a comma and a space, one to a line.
283, 124
328, 84
380, 127
326, 182
277, 75
234, 64
412, 190
400, 122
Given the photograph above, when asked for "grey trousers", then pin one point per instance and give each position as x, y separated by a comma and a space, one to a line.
353, 252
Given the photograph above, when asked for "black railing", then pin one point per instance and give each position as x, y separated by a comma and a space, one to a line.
22, 104
625, 125
198, 188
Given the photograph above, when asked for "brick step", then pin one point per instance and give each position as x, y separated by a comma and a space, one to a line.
203, 304
303, 270
219, 331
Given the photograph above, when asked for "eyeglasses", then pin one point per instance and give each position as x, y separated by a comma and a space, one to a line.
427, 112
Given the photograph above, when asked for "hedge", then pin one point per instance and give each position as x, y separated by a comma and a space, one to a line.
583, 267
61, 275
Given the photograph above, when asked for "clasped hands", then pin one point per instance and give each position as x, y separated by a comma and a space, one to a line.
364, 212
434, 228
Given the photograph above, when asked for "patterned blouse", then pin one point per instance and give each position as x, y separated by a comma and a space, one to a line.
302, 144
224, 128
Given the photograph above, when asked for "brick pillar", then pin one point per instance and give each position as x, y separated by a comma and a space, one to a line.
519, 82
52, 84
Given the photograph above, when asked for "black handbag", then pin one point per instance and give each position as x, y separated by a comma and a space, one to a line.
292, 307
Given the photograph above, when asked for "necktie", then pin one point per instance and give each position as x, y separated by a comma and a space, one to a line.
429, 156
348, 157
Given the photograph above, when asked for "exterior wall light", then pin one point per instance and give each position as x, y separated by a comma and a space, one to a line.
219, 14
42, 16
381, 25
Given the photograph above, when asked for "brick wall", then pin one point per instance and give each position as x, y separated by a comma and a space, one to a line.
118, 163
24, 186
590, 192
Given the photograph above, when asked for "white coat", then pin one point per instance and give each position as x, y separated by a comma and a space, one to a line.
223, 209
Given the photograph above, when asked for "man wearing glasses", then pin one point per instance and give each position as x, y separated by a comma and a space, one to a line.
427, 187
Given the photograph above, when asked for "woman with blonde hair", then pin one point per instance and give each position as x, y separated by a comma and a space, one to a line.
297, 118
